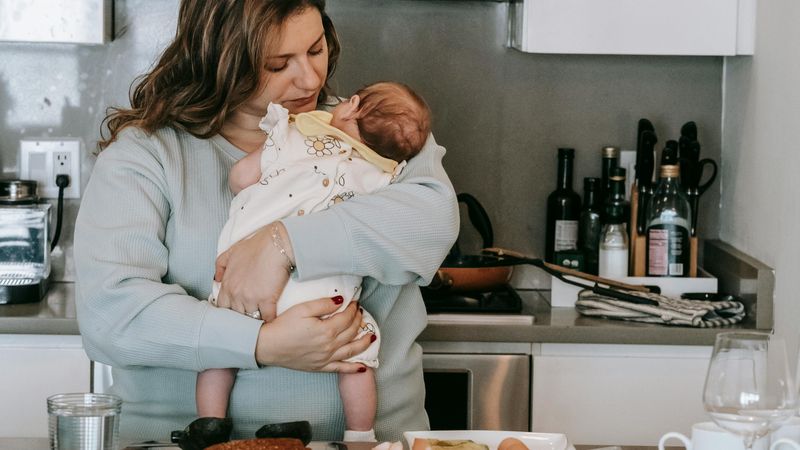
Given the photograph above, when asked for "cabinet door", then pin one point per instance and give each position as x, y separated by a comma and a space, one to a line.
634, 27
32, 368
620, 394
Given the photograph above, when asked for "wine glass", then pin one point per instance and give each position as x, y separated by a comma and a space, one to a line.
749, 389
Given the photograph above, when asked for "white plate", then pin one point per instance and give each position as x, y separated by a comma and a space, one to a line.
534, 441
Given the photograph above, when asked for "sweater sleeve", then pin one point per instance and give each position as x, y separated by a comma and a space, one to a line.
397, 235
127, 315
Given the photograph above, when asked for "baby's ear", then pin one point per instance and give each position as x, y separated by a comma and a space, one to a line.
355, 100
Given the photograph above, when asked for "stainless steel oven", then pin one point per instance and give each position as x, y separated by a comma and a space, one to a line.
477, 391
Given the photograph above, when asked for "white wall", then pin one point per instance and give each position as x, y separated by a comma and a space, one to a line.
760, 211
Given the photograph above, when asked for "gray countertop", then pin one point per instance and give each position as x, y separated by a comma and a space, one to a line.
56, 315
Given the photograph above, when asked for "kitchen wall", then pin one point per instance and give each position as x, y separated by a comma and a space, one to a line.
760, 207
501, 113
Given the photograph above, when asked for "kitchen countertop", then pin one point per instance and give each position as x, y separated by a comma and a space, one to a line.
56, 315
565, 325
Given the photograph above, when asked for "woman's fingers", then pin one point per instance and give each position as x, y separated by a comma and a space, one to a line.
352, 348
300, 339
220, 265
344, 367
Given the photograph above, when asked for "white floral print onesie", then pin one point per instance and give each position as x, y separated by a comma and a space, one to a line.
300, 175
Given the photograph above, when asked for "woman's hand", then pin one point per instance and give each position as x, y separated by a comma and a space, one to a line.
299, 339
253, 272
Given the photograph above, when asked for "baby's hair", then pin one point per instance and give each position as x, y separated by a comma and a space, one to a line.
393, 120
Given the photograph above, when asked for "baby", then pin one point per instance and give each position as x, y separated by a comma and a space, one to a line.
309, 162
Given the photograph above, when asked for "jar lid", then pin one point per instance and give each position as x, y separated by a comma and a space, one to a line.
18, 192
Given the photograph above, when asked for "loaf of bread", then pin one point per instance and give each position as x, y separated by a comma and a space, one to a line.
261, 444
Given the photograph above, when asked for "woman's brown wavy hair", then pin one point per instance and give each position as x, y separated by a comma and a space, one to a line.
212, 66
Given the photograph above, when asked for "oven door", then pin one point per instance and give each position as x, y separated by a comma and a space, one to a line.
468, 391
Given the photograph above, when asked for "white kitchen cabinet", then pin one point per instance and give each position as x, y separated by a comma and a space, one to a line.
617, 394
33, 367
634, 27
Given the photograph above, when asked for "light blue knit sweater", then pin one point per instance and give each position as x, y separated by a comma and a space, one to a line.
145, 245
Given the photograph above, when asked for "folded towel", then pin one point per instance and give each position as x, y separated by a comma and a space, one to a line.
667, 310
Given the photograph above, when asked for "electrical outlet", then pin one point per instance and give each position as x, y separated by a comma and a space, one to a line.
42, 159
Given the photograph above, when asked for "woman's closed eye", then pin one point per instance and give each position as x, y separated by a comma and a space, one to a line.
278, 65
315, 51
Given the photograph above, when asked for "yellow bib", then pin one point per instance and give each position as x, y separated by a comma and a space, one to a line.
318, 123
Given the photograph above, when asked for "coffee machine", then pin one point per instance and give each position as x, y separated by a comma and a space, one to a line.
24, 243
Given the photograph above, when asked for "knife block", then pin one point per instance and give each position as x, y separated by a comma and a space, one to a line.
638, 244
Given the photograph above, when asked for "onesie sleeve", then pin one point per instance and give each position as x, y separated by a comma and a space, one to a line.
398, 235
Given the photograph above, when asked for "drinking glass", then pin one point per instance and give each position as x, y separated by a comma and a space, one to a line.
749, 389
84, 421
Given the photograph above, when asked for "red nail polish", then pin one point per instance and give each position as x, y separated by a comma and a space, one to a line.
373, 338
362, 369
338, 299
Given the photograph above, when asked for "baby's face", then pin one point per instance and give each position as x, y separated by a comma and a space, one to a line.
344, 117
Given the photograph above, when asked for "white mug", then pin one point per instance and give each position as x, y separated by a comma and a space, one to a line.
787, 436
709, 436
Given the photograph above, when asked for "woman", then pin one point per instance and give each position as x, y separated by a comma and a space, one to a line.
146, 233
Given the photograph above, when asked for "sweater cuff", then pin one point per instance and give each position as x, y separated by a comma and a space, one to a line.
321, 245
227, 339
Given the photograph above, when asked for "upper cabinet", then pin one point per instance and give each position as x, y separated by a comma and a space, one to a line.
60, 21
634, 27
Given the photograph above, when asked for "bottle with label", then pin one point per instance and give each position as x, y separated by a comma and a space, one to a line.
590, 225
613, 254
668, 224
609, 162
563, 210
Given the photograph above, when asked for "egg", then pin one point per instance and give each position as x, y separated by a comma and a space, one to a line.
421, 444
511, 444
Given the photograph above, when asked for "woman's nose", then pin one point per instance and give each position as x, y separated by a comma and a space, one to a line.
307, 77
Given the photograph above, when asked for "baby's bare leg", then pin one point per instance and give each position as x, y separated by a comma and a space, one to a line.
213, 392
359, 398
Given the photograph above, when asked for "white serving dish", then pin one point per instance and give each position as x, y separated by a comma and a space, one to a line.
534, 441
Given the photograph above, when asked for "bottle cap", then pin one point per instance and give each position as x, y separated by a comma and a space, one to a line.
566, 152
617, 173
610, 152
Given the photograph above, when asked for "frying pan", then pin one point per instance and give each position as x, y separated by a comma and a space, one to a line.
493, 268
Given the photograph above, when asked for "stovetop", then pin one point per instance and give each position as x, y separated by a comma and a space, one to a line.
504, 300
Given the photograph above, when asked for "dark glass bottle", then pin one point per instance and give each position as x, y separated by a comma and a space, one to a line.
589, 224
615, 199
668, 219
563, 209
609, 162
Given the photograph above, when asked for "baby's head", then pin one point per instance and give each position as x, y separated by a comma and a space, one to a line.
388, 117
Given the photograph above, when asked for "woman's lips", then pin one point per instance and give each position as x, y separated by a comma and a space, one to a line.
304, 100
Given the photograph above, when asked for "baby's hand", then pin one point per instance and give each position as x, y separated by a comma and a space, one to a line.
246, 172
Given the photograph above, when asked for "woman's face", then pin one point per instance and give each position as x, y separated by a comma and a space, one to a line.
295, 72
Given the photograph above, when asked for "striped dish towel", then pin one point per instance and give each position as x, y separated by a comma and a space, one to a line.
667, 310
